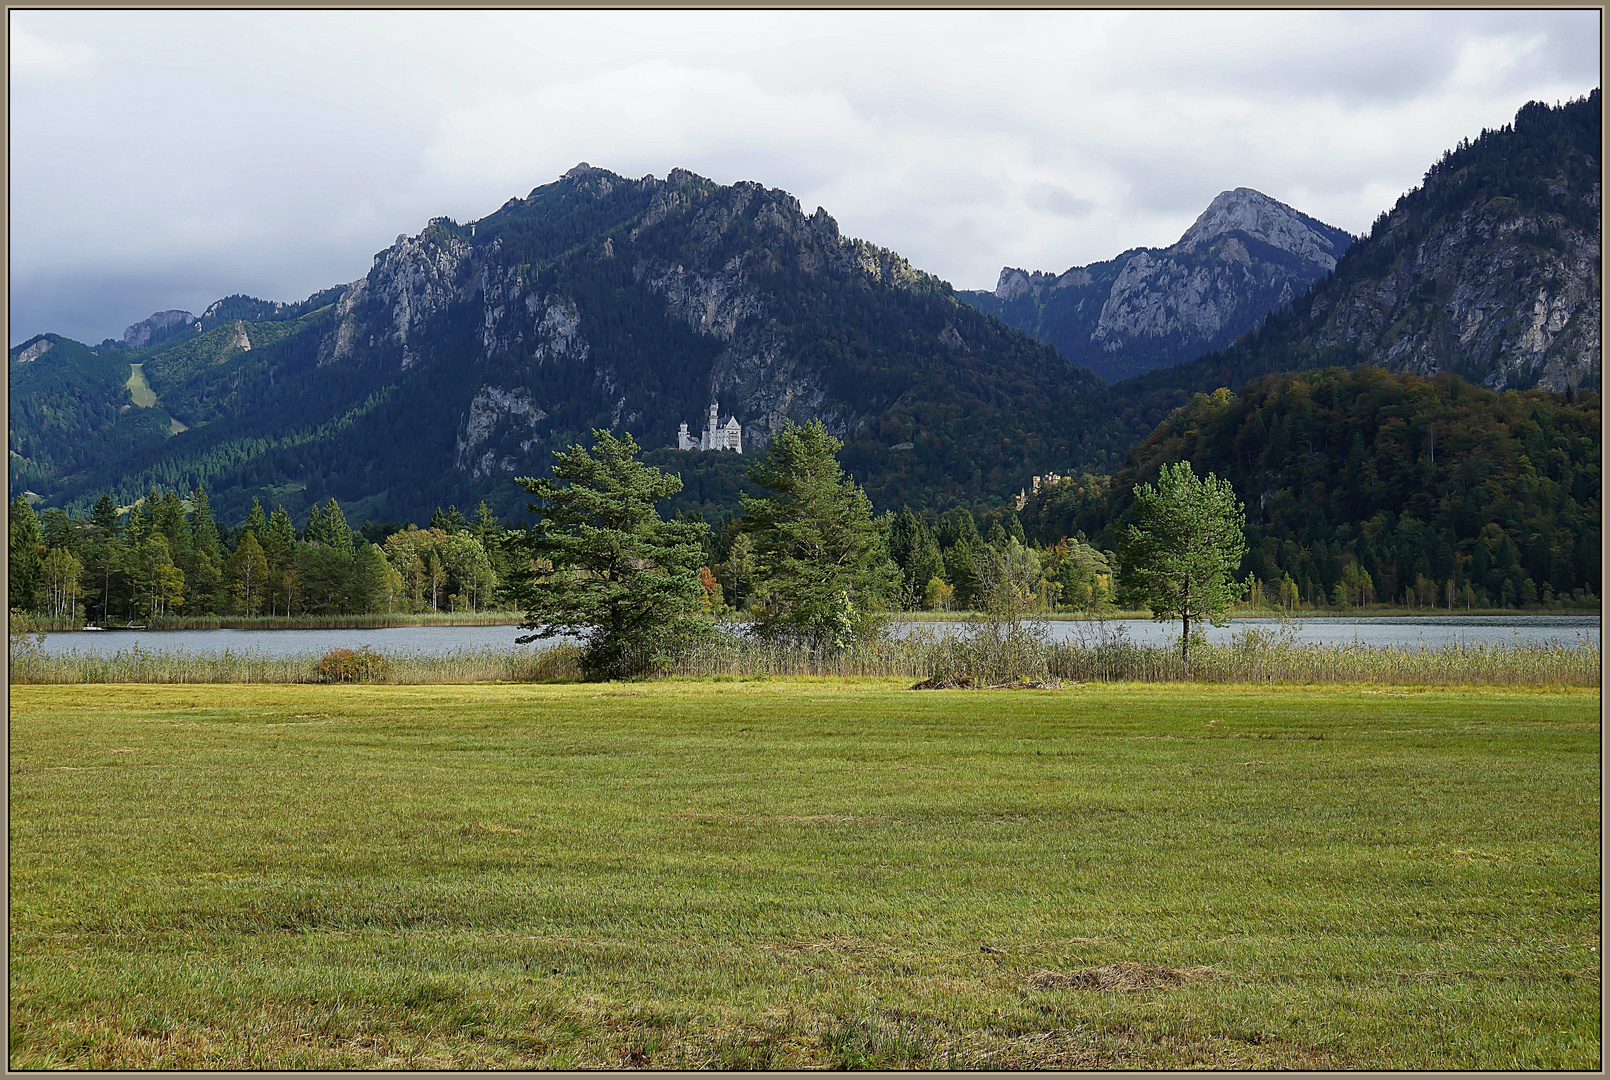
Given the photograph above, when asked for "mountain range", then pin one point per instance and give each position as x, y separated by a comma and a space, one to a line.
1151, 308
470, 351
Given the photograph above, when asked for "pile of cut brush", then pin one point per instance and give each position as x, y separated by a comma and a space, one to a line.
965, 682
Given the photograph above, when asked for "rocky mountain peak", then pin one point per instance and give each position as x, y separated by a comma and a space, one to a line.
1012, 283
158, 327
1151, 307
1256, 215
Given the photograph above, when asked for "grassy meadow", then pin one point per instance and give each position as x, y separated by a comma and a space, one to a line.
798, 873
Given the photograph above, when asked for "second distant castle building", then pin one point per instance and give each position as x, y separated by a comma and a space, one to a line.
719, 434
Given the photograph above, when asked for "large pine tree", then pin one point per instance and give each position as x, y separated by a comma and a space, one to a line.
821, 555
619, 576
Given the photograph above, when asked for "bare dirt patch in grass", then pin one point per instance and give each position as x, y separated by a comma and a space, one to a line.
1123, 976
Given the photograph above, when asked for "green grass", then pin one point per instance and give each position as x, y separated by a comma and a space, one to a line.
732, 873
140, 392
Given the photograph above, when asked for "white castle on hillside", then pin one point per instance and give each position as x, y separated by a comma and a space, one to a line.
1048, 479
719, 434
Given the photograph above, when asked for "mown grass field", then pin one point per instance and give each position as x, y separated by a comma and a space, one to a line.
802, 873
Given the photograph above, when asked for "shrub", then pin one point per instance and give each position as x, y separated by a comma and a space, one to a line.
345, 665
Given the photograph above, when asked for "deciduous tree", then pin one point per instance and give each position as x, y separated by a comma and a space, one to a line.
1186, 541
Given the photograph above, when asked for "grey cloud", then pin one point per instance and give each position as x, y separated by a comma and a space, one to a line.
273, 153
1058, 201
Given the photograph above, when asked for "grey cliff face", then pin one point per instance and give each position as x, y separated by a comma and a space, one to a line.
156, 328
35, 351
338, 345
416, 278
1507, 296
495, 408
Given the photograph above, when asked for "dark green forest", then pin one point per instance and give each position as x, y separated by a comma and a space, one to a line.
1431, 487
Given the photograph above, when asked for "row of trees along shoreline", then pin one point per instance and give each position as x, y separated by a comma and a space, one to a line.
165, 559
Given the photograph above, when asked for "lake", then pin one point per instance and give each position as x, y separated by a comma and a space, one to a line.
1401, 631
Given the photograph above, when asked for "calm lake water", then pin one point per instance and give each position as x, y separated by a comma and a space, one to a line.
1400, 631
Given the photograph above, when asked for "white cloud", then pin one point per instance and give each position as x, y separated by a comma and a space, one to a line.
645, 117
36, 58
276, 151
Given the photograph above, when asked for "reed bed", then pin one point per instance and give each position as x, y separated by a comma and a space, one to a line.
137, 665
988, 656
1541, 665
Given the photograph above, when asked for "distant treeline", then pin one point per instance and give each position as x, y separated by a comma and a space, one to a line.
167, 557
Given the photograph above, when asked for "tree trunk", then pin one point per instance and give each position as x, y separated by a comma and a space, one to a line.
1185, 634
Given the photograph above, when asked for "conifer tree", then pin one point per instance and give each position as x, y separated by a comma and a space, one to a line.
105, 559
60, 531
622, 579
958, 537
138, 527
486, 529
375, 585
449, 522
821, 555
204, 581
247, 574
203, 529
104, 515
1178, 557
279, 550
26, 555
313, 531
169, 520
337, 534
256, 522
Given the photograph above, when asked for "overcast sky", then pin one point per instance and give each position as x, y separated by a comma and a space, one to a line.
164, 159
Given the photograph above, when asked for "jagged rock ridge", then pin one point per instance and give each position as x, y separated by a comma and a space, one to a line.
1489, 269
1150, 308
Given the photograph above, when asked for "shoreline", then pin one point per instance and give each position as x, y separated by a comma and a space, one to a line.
514, 618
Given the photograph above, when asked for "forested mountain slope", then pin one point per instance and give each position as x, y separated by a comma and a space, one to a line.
469, 352
1490, 269
1419, 481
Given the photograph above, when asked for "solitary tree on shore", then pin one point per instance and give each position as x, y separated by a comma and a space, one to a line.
622, 578
1178, 556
